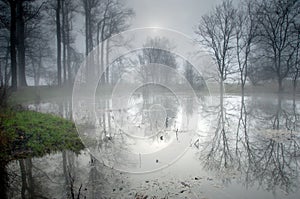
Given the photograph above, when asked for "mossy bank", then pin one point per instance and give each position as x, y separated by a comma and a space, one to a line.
26, 133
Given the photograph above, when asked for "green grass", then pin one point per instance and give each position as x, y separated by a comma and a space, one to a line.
26, 133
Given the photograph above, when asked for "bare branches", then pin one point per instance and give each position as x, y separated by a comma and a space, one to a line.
216, 33
276, 35
245, 33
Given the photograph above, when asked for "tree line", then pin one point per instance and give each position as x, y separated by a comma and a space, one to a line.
38, 37
250, 41
257, 39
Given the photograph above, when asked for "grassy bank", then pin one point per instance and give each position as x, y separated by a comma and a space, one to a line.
26, 133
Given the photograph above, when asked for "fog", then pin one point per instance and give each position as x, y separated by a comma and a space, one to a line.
149, 99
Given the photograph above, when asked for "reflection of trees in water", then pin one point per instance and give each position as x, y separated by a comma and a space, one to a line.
95, 179
155, 111
168, 104
105, 182
110, 141
147, 114
62, 175
105, 118
34, 173
275, 164
264, 149
276, 146
189, 106
41, 178
22, 182
218, 151
27, 183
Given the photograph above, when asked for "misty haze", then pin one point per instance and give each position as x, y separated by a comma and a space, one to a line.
149, 99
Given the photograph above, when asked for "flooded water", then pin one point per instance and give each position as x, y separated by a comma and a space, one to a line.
167, 146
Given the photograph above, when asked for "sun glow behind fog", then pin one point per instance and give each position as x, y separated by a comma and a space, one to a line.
155, 25
155, 28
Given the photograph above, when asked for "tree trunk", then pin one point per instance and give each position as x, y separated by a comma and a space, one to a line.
68, 47
13, 54
69, 55
66, 174
102, 63
24, 179
58, 38
102, 54
109, 118
88, 27
6, 76
280, 86
295, 85
87, 24
86, 15
90, 31
64, 40
34, 73
276, 122
98, 50
107, 61
38, 75
21, 43
1, 77
30, 178
3, 179
243, 82
221, 92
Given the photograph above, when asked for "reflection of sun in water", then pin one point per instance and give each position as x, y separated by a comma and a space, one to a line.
155, 144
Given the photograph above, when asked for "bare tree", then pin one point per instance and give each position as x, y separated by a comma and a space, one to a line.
90, 11
193, 77
21, 42
39, 51
68, 9
26, 10
258, 70
218, 154
58, 38
216, 33
245, 32
64, 24
13, 53
276, 19
296, 68
8, 21
156, 51
4, 45
118, 21
115, 19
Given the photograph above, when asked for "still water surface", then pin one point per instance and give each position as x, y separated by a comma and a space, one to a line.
175, 147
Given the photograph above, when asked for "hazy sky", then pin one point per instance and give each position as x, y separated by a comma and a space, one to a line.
180, 15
